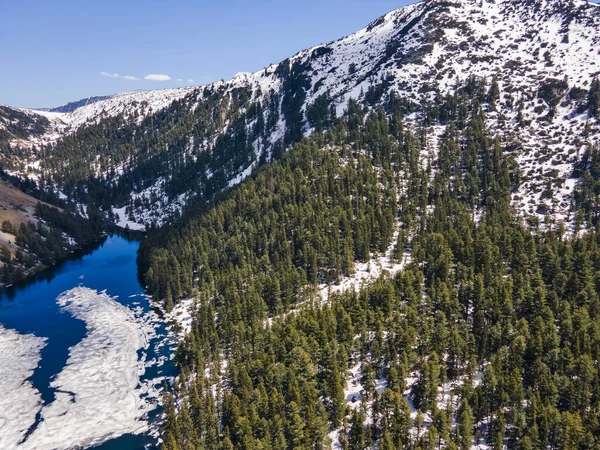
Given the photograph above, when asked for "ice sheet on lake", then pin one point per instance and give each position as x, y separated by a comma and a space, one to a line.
19, 400
99, 395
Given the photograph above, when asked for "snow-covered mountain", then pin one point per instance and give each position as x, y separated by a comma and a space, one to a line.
69, 117
541, 54
54, 123
72, 106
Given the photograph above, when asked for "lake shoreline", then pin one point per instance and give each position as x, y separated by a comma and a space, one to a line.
77, 252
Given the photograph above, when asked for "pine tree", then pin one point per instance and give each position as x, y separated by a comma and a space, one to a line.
356, 439
594, 99
296, 430
334, 387
465, 426
494, 93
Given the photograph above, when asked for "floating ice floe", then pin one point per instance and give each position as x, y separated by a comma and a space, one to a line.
99, 395
19, 400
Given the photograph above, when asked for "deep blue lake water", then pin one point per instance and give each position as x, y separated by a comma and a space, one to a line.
31, 308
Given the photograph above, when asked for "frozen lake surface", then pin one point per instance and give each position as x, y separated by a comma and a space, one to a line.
83, 357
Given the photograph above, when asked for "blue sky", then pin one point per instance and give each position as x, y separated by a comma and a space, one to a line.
53, 52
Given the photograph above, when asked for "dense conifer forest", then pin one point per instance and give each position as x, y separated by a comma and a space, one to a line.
489, 335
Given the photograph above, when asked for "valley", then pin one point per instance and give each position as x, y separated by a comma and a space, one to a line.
388, 241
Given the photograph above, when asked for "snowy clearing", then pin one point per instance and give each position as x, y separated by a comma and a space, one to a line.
124, 221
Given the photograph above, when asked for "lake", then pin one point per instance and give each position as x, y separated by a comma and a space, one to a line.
32, 308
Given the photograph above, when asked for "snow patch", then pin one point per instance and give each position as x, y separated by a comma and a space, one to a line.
124, 222
365, 273
181, 314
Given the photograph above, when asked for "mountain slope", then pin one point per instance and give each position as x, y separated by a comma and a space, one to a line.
541, 55
482, 335
34, 235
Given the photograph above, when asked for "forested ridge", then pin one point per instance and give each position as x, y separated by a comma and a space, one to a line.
488, 336
303, 220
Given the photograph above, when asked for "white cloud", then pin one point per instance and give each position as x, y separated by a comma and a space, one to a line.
157, 77
191, 80
110, 75
151, 77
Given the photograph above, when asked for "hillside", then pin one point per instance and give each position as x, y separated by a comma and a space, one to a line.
346, 298
15, 206
35, 235
540, 57
16, 209
377, 286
